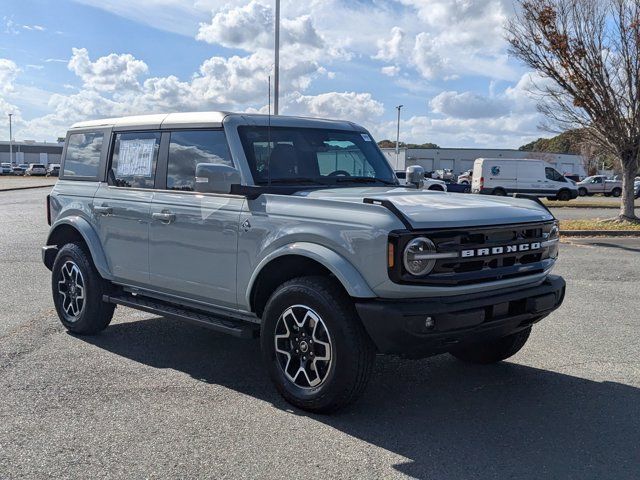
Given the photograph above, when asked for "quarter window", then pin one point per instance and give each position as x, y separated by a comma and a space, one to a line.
187, 149
134, 159
83, 154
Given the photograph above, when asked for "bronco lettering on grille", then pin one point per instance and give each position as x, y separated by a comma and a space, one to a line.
485, 252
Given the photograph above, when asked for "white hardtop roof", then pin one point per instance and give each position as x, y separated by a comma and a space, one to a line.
208, 119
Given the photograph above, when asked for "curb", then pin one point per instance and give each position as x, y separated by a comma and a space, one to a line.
13, 189
600, 233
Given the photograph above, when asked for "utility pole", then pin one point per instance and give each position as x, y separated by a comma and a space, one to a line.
276, 76
399, 107
10, 141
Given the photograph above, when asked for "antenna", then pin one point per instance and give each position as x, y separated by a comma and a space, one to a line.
269, 137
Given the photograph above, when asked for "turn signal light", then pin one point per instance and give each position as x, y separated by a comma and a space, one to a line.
391, 255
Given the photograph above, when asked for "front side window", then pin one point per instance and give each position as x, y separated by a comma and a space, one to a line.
187, 149
133, 163
553, 174
83, 154
292, 155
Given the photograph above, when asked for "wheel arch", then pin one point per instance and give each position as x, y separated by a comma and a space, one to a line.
302, 259
76, 229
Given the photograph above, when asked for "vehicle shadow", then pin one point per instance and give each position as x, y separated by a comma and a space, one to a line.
449, 419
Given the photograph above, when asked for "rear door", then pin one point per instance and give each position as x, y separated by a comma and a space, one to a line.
122, 205
194, 236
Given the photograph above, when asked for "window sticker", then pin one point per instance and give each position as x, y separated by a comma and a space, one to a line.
366, 137
136, 157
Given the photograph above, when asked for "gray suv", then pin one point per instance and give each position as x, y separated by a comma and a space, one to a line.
296, 231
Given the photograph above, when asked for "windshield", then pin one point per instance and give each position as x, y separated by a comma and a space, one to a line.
289, 155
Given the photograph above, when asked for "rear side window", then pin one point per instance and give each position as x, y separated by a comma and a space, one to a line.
133, 163
188, 148
83, 154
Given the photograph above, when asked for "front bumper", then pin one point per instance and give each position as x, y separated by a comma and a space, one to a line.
400, 326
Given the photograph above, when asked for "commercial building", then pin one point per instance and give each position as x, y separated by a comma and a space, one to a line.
31, 152
461, 159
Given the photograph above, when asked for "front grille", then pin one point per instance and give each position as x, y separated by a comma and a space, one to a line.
486, 267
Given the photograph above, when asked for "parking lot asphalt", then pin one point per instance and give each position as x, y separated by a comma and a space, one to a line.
151, 397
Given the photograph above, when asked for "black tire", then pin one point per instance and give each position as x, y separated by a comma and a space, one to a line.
494, 350
436, 188
500, 192
91, 315
582, 192
564, 195
352, 354
616, 192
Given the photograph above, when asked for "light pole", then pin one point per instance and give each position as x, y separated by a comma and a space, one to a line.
399, 107
276, 76
10, 141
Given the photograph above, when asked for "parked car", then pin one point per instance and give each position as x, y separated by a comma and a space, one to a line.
36, 169
19, 170
465, 177
429, 183
636, 187
599, 184
297, 231
454, 187
444, 174
53, 170
6, 169
502, 176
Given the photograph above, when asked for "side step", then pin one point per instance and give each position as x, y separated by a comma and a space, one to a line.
223, 325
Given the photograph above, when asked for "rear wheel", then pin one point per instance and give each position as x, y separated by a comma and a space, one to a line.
493, 351
500, 192
436, 188
77, 292
317, 351
564, 195
616, 192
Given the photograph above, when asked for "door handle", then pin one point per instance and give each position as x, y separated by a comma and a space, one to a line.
164, 217
103, 210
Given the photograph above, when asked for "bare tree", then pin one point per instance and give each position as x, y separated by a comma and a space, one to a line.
587, 53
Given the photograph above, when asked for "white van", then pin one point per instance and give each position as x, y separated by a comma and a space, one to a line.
503, 176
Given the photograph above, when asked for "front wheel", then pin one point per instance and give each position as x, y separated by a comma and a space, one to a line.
316, 350
582, 192
77, 292
493, 351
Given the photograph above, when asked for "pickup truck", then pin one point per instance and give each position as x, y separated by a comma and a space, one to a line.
599, 184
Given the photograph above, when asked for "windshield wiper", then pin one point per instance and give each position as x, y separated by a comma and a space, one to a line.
293, 180
365, 180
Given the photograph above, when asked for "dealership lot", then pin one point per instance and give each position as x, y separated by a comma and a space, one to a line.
154, 397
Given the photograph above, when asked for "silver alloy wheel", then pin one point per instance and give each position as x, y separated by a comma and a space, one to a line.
71, 288
303, 346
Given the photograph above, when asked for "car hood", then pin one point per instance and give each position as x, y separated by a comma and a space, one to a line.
431, 209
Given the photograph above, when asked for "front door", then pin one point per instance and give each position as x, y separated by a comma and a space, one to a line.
193, 238
122, 206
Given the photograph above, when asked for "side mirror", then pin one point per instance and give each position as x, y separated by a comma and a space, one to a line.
216, 178
415, 176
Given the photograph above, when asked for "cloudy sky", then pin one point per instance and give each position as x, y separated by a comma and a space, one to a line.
444, 60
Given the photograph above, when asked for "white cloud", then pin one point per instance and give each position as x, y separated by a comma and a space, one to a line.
251, 26
8, 72
390, 70
391, 49
108, 74
358, 107
38, 28
468, 105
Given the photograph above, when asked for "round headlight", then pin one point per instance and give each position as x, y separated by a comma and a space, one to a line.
414, 256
